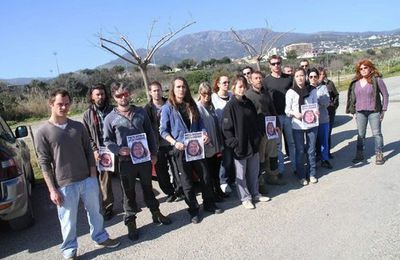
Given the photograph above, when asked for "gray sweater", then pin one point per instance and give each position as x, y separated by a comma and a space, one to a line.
66, 153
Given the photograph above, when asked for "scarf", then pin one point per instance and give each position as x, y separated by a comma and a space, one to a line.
302, 92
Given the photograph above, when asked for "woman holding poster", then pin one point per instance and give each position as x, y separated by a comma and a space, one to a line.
180, 115
302, 94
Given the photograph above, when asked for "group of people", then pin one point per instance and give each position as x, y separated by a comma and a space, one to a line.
244, 125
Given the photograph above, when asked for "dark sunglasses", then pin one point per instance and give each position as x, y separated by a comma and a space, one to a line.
120, 95
312, 76
275, 63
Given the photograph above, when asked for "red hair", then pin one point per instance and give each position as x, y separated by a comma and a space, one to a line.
373, 70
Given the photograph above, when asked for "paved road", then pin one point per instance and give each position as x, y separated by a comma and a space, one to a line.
352, 213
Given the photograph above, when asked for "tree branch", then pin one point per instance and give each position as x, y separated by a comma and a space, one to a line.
114, 52
249, 48
164, 40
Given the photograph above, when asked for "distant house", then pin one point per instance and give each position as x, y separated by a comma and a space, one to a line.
303, 50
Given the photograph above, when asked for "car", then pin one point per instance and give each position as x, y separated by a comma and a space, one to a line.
16, 177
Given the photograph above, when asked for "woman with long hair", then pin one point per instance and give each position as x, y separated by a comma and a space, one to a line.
180, 115
304, 136
367, 100
242, 135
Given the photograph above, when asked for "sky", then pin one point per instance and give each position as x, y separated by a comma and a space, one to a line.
36, 35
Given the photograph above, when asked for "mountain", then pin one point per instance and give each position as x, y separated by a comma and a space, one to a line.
22, 81
218, 44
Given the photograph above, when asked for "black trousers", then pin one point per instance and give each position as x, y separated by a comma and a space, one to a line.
128, 174
186, 176
163, 159
214, 163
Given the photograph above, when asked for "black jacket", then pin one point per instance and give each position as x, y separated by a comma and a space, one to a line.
240, 128
155, 122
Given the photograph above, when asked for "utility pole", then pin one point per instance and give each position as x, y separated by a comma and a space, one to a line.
58, 69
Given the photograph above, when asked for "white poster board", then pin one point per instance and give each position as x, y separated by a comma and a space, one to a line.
270, 127
139, 148
107, 160
194, 146
309, 116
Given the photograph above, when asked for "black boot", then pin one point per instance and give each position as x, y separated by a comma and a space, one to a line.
359, 156
133, 234
160, 219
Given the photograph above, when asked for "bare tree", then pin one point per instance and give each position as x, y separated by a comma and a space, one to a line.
134, 57
267, 42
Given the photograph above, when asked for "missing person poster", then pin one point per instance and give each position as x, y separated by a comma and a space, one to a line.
270, 127
107, 160
194, 146
309, 115
139, 148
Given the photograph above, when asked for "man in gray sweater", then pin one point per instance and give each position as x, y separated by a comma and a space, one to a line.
121, 124
69, 170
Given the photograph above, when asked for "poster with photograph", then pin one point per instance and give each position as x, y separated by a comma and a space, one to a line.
194, 146
107, 160
309, 116
270, 127
139, 148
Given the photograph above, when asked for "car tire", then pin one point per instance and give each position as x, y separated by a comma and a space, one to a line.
25, 220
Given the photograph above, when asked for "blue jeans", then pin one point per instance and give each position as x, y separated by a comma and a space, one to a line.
323, 138
88, 191
286, 125
227, 168
309, 145
362, 118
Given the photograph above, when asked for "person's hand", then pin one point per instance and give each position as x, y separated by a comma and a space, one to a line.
354, 116
124, 151
278, 130
297, 115
205, 138
56, 197
180, 146
96, 155
382, 115
154, 159
317, 113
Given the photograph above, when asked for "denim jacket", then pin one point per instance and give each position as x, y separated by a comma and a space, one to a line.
172, 123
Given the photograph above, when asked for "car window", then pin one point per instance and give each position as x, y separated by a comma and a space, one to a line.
5, 131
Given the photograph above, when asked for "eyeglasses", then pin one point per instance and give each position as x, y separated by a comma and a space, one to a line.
123, 94
364, 68
204, 94
247, 73
275, 64
312, 76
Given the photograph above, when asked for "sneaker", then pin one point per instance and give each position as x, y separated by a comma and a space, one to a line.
160, 219
248, 204
379, 159
213, 209
313, 179
195, 219
109, 243
326, 164
225, 188
303, 182
261, 198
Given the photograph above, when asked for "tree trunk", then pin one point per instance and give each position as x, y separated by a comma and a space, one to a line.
146, 81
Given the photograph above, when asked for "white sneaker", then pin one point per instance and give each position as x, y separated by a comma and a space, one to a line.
248, 204
261, 198
225, 188
313, 179
303, 182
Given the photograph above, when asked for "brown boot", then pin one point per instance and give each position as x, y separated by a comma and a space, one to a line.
379, 159
359, 156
